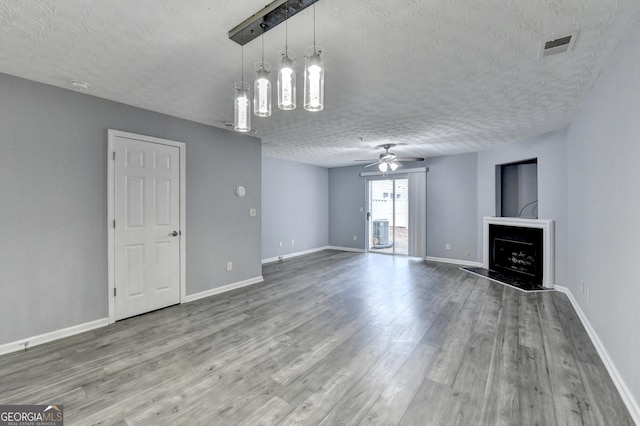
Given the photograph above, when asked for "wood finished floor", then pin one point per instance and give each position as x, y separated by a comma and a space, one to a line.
332, 338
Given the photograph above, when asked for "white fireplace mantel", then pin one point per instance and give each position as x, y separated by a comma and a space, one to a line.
548, 243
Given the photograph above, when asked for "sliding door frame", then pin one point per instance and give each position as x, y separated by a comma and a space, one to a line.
417, 214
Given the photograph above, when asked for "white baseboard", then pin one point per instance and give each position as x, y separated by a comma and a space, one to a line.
625, 393
51, 336
454, 261
290, 255
355, 250
81, 328
223, 289
315, 250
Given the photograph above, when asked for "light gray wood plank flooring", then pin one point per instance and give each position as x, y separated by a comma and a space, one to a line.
332, 338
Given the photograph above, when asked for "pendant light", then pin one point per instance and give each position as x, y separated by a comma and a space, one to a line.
313, 74
262, 85
242, 108
286, 74
241, 103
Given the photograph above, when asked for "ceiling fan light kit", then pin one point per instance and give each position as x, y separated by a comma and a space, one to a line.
271, 15
389, 164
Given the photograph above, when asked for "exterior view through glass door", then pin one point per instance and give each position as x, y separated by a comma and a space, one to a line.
388, 216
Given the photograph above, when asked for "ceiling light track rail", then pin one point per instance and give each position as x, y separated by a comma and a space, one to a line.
269, 17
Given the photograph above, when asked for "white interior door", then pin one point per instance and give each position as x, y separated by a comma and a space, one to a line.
147, 236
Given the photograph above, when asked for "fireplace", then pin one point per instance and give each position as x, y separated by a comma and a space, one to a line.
520, 248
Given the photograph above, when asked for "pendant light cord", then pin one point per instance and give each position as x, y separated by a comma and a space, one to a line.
286, 30
314, 29
242, 59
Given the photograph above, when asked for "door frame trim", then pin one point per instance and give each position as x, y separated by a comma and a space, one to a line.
111, 136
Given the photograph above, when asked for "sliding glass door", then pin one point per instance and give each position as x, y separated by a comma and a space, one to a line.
388, 215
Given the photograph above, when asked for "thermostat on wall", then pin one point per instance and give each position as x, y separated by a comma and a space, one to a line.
240, 191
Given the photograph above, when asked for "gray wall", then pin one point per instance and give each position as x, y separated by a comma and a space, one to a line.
452, 207
550, 150
604, 201
295, 206
53, 187
346, 197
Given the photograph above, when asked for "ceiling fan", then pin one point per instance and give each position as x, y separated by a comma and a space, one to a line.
388, 160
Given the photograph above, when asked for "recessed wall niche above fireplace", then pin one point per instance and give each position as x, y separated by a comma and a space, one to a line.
517, 189
522, 249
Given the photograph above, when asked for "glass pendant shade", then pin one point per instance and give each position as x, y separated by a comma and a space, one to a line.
383, 167
394, 166
313, 80
242, 107
286, 84
262, 90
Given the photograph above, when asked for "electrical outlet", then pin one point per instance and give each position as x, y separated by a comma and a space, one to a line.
355, 238
448, 246
293, 242
252, 212
229, 266
361, 209
280, 243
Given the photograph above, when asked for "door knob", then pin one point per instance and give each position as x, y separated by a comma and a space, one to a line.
174, 234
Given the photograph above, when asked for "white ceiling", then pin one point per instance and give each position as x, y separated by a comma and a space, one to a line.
438, 76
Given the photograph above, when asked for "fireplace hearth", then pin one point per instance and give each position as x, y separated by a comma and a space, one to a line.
518, 252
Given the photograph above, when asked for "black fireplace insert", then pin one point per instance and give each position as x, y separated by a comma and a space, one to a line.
516, 251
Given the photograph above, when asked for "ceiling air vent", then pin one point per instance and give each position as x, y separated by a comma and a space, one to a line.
559, 45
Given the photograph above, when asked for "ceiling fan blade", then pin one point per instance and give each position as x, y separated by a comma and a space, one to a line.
369, 160
372, 164
410, 159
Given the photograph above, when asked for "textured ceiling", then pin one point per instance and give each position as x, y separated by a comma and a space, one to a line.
437, 76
